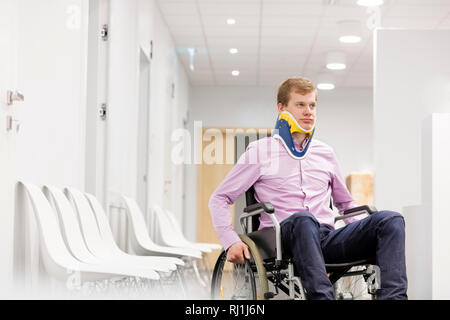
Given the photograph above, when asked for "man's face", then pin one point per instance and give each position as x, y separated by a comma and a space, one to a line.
302, 108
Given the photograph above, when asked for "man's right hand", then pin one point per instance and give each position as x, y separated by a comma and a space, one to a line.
236, 253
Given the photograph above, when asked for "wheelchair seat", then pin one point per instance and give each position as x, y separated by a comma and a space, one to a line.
265, 241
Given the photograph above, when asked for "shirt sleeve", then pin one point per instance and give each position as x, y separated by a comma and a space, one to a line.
243, 175
342, 198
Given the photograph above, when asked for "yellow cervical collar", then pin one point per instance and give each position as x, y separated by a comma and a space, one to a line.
293, 124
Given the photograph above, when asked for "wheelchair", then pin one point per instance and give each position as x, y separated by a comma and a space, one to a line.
270, 274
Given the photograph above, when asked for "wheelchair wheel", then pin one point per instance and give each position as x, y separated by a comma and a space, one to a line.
353, 287
240, 282
233, 281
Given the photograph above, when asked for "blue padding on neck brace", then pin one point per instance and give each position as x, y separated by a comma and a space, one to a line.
282, 132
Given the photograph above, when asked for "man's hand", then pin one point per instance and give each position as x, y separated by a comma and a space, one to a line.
236, 253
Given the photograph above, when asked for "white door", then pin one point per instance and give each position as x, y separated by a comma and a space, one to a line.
8, 81
97, 99
143, 131
42, 57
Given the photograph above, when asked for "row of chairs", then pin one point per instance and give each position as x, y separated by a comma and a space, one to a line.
76, 238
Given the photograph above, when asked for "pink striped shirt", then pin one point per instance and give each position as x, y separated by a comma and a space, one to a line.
290, 185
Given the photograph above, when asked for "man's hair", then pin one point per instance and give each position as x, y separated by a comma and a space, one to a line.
299, 85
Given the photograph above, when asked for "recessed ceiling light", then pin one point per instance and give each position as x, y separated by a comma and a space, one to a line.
350, 39
231, 21
349, 31
336, 61
325, 86
325, 82
191, 52
234, 50
235, 73
336, 66
370, 3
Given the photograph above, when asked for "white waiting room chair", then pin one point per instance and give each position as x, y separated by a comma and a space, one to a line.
57, 259
100, 240
177, 228
140, 239
171, 234
73, 236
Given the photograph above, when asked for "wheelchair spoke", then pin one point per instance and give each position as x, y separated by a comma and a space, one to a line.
233, 282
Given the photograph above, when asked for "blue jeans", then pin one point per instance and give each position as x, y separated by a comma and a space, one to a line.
380, 236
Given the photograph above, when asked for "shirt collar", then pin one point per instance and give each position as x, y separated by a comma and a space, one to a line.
297, 145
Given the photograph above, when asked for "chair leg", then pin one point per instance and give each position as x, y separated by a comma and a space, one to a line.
197, 274
182, 282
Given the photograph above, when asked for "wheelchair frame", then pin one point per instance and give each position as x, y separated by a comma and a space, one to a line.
280, 271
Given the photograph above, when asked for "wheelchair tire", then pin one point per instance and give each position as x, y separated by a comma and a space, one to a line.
255, 261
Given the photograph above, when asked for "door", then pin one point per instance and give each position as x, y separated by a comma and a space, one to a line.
216, 144
211, 173
143, 132
97, 99
42, 61
8, 125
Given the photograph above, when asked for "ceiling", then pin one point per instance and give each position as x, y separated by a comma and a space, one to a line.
281, 38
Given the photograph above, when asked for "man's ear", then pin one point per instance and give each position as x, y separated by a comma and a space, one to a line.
280, 108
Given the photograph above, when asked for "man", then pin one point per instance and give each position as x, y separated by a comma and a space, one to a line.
298, 178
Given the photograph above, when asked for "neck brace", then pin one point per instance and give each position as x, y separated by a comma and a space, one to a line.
285, 126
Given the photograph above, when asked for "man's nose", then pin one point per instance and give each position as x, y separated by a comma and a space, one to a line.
307, 110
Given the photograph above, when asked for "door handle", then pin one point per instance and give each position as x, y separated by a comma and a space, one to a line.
13, 96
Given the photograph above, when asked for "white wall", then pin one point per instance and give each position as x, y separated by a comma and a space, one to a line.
412, 80
427, 244
344, 122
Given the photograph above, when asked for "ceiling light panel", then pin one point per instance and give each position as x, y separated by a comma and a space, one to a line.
225, 67
303, 23
225, 50
336, 61
418, 11
181, 32
178, 8
349, 31
300, 10
233, 41
220, 20
229, 9
423, 2
231, 32
284, 32
370, 3
183, 20
189, 42
408, 23
294, 50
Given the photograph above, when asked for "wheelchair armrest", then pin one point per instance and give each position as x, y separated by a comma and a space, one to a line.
353, 212
266, 206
